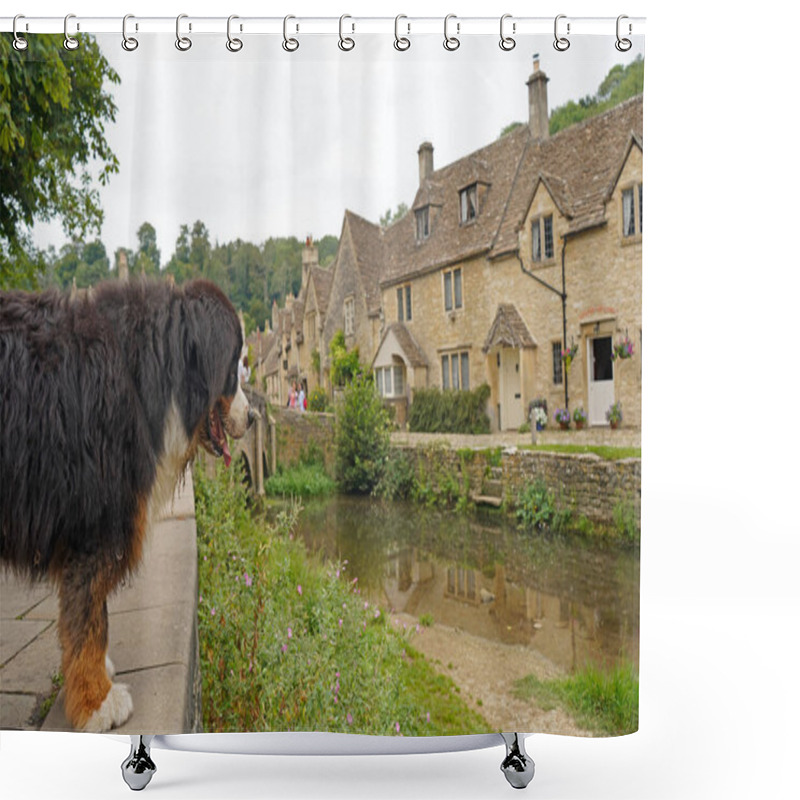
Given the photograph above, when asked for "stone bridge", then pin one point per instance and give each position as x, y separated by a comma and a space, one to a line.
258, 447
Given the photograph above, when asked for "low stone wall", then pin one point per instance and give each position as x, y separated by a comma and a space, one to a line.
589, 485
298, 433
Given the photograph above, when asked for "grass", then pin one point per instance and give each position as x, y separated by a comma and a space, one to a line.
288, 643
605, 703
300, 480
606, 452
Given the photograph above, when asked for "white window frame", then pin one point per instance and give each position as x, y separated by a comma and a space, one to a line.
455, 369
453, 289
468, 203
349, 316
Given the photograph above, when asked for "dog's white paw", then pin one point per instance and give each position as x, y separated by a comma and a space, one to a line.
110, 668
114, 710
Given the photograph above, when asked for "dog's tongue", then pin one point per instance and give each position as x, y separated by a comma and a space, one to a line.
226, 454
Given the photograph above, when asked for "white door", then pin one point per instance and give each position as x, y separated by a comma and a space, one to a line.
601, 379
511, 414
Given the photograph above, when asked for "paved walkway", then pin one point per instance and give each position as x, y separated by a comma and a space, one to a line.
152, 636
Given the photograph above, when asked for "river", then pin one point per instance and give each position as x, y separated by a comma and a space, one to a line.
571, 600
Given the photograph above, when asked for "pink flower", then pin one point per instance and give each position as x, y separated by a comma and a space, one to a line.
213, 612
340, 623
284, 648
248, 581
397, 727
299, 589
288, 633
349, 719
428, 717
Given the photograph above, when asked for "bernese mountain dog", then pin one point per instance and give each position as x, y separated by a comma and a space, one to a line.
105, 397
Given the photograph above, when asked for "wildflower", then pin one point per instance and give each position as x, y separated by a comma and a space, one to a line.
299, 589
213, 611
428, 717
248, 581
349, 718
340, 622
284, 648
397, 727
288, 633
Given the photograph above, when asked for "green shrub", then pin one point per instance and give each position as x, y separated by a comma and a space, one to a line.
361, 437
345, 364
397, 480
537, 510
318, 400
307, 479
449, 411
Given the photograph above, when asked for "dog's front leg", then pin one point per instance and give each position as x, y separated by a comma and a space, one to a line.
92, 701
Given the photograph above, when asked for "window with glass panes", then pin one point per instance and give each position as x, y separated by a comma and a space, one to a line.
453, 297
632, 210
542, 238
455, 370
404, 303
558, 364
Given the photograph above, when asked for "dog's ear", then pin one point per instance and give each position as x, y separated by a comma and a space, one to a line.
210, 335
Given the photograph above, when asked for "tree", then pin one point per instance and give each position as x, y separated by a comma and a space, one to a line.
389, 217
53, 113
147, 260
361, 436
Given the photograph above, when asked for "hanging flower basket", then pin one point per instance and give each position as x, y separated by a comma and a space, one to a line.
569, 355
622, 349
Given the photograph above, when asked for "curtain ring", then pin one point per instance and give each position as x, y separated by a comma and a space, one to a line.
451, 43
507, 42
623, 45
289, 45
129, 43
234, 45
346, 43
561, 43
401, 43
70, 42
183, 43
20, 42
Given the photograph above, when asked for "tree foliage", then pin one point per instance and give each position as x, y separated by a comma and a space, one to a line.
53, 113
619, 85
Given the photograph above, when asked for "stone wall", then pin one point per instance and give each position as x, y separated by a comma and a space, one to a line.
589, 485
297, 433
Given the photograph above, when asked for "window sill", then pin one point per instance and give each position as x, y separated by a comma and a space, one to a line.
627, 241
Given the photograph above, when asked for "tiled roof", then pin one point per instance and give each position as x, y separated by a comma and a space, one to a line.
579, 166
493, 167
412, 351
508, 329
367, 238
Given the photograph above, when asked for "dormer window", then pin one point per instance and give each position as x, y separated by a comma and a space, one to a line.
423, 216
469, 203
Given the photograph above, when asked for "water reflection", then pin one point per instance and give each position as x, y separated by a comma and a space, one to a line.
571, 601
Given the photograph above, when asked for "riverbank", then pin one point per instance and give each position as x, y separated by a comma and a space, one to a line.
486, 673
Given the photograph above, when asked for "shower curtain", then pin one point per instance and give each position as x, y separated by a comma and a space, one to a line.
434, 253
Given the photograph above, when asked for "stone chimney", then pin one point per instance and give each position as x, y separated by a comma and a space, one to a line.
538, 115
425, 154
310, 258
122, 265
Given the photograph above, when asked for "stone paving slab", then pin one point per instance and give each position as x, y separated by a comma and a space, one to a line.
152, 634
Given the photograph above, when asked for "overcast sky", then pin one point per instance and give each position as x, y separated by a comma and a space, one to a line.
263, 143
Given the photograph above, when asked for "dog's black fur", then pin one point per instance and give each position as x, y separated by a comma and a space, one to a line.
90, 384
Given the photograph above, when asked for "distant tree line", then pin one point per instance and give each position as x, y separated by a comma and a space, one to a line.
253, 276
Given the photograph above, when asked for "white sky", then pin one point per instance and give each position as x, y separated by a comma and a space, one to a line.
263, 143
